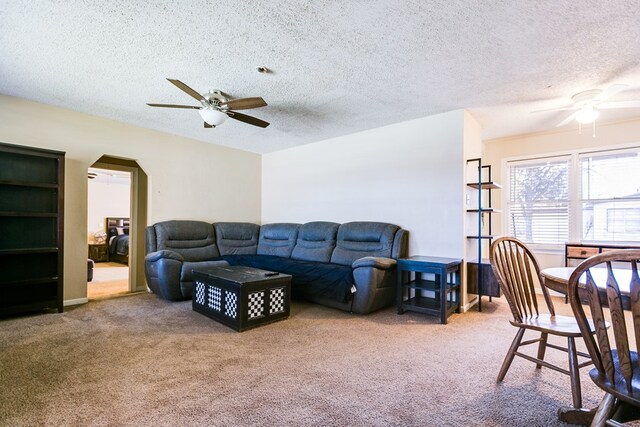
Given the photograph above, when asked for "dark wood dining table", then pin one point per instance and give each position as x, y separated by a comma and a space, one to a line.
557, 279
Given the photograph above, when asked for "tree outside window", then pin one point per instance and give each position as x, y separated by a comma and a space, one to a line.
539, 202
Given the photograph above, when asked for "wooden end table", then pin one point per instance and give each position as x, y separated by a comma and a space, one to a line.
434, 288
99, 252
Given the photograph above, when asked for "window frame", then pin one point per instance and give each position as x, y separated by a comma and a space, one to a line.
580, 156
575, 190
536, 161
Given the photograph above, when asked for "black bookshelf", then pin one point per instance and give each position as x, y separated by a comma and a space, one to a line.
31, 229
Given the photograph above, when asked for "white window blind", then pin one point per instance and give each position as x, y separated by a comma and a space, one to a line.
610, 202
538, 209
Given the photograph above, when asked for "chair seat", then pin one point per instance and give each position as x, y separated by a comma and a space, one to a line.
558, 325
619, 388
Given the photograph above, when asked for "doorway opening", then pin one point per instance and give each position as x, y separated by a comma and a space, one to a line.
116, 218
108, 226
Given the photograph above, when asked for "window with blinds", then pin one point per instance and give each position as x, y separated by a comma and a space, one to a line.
610, 196
538, 209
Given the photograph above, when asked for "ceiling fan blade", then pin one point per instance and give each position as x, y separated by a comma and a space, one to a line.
567, 108
174, 106
244, 103
248, 119
568, 119
610, 91
186, 89
207, 125
619, 104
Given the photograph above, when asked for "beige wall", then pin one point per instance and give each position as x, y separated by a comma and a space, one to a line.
539, 144
187, 179
416, 168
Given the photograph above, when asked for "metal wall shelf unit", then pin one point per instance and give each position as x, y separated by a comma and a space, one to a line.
484, 185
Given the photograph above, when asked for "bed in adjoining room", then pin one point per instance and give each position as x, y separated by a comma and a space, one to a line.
118, 239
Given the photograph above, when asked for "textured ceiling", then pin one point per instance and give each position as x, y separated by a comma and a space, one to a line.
338, 66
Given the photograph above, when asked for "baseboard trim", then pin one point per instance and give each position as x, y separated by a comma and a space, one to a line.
76, 301
466, 307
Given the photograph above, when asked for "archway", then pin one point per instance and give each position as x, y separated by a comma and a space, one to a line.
138, 217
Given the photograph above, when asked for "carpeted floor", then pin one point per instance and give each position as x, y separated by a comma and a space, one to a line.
141, 361
109, 279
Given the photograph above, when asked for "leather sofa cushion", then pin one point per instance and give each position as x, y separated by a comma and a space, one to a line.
194, 240
278, 239
359, 239
237, 238
316, 241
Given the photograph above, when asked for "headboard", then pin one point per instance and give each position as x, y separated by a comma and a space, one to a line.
117, 226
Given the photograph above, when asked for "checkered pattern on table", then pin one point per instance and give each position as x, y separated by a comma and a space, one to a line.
231, 304
276, 297
255, 305
201, 290
215, 298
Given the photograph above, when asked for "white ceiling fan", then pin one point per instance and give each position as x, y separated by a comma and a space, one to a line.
587, 104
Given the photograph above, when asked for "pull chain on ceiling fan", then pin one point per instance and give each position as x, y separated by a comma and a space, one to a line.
217, 107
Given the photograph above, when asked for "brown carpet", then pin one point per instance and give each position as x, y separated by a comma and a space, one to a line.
140, 361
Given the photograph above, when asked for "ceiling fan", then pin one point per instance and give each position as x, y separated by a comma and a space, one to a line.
586, 105
217, 107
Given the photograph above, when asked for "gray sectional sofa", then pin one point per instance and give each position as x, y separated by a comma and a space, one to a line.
347, 266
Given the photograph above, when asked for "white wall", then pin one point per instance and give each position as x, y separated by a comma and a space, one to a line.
472, 150
554, 142
410, 174
106, 198
187, 179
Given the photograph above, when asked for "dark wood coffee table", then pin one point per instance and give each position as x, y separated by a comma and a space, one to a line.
241, 297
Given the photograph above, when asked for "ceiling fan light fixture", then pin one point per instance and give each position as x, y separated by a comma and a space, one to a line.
588, 114
213, 116
217, 107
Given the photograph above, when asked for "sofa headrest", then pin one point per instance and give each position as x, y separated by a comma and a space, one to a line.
237, 238
194, 240
359, 239
316, 241
277, 239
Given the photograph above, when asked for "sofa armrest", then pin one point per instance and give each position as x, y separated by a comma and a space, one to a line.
375, 287
155, 256
162, 270
372, 261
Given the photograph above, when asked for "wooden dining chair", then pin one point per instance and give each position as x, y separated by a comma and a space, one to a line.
616, 366
518, 273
